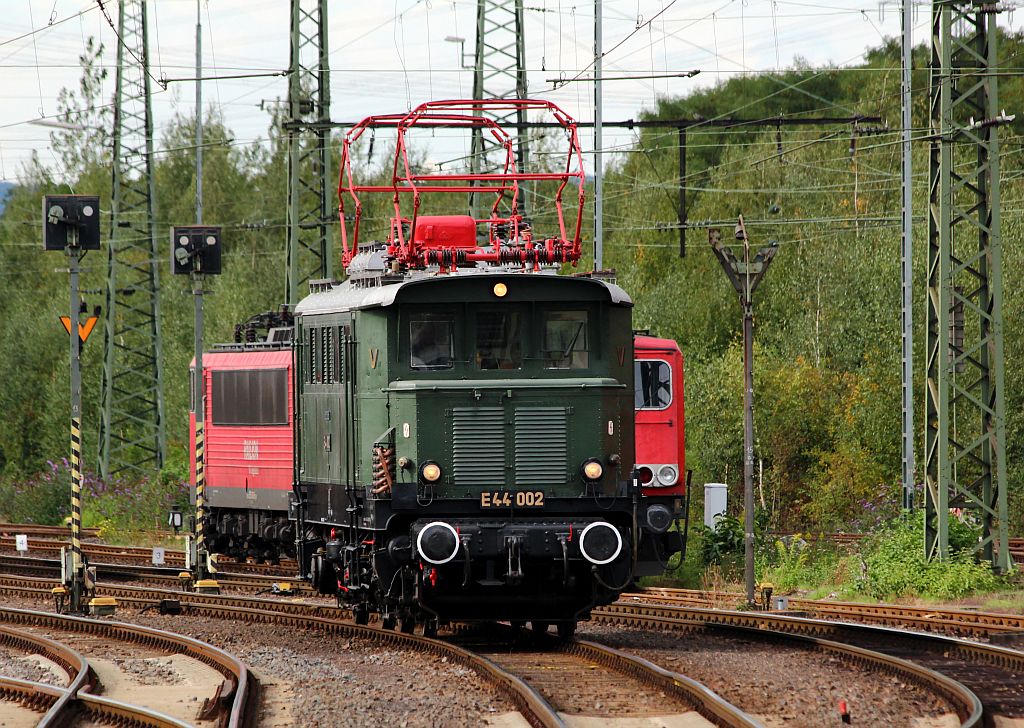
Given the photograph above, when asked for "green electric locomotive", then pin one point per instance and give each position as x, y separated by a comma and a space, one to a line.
464, 413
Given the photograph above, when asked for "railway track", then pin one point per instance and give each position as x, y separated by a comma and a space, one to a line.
332, 622
157, 575
234, 706
142, 555
525, 680
955, 622
522, 685
9, 530
991, 674
582, 678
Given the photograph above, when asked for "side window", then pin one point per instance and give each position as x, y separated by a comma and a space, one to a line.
250, 397
498, 341
430, 343
565, 340
653, 382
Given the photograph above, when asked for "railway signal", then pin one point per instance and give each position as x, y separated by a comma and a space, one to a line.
195, 251
71, 223
745, 275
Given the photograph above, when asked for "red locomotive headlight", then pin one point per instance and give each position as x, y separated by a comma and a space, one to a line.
645, 474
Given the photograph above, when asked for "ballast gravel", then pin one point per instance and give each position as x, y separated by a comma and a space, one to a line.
785, 686
312, 679
28, 667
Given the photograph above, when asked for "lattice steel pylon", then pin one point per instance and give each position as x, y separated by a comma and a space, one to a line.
965, 417
311, 212
499, 72
132, 436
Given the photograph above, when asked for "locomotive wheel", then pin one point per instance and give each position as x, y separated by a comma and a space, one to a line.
408, 624
389, 621
361, 614
430, 628
539, 627
566, 630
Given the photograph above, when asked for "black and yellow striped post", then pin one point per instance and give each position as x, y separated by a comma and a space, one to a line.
77, 569
76, 511
201, 553
199, 407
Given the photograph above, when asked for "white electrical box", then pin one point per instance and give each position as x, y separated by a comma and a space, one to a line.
716, 498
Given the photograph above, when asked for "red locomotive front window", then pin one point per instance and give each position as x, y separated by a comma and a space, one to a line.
249, 397
653, 383
565, 340
430, 343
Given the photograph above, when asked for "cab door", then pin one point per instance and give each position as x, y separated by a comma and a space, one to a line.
658, 402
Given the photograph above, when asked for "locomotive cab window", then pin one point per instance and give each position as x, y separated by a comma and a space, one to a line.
566, 344
430, 343
249, 397
653, 384
498, 340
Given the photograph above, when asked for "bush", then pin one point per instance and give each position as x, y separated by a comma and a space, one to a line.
895, 566
725, 539
115, 505
133, 505
44, 499
794, 563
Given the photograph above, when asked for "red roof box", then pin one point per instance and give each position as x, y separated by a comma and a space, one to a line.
445, 231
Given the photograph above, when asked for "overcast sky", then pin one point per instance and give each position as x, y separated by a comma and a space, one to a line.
388, 56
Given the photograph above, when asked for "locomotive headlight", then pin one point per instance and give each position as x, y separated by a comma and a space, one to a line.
430, 472
667, 475
592, 469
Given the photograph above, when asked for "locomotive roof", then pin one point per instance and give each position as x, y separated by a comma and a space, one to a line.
347, 296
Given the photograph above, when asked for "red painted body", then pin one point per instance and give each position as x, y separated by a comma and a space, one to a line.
660, 419
445, 231
243, 456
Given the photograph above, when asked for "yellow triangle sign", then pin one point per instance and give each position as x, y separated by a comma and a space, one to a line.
84, 329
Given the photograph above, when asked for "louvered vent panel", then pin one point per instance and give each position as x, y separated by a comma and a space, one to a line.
542, 442
478, 446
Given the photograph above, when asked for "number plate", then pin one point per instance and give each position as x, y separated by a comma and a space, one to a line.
512, 499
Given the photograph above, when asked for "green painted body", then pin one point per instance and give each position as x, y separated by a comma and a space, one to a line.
529, 428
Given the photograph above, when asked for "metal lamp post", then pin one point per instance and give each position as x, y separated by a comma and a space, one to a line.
745, 275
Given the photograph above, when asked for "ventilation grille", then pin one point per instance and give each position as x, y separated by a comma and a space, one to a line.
478, 446
541, 445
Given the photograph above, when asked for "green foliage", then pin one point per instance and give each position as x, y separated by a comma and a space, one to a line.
794, 563
115, 506
894, 564
725, 539
45, 499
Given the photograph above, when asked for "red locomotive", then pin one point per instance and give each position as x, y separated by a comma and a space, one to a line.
249, 447
660, 421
